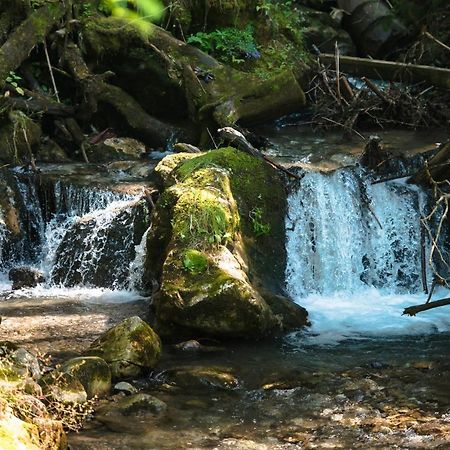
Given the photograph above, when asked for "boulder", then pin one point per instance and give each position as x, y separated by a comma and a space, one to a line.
25, 277
131, 348
99, 247
93, 373
216, 225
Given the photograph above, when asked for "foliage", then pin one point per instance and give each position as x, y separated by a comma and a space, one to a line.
13, 79
227, 44
259, 227
202, 218
195, 261
139, 12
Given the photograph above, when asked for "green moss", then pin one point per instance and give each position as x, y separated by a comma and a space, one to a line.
195, 261
251, 180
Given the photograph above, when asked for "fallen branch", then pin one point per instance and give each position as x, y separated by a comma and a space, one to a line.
413, 310
238, 139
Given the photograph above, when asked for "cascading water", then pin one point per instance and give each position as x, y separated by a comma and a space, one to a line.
354, 255
89, 239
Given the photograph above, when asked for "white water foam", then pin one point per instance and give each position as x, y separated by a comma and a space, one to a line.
354, 257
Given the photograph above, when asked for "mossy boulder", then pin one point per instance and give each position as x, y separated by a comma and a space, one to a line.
93, 373
131, 348
221, 220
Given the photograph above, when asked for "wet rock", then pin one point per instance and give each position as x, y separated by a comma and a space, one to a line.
116, 148
204, 238
63, 387
131, 348
200, 377
99, 247
136, 402
93, 373
292, 316
25, 277
123, 386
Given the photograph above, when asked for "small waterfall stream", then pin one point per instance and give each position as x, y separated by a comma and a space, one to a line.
88, 239
354, 255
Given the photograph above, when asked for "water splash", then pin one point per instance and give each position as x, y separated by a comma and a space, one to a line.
354, 255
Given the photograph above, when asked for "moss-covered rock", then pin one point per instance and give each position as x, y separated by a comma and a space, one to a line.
221, 221
131, 348
93, 373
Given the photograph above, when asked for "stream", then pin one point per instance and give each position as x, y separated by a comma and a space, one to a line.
362, 376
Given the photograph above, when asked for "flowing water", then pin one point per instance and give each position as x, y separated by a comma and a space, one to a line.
362, 376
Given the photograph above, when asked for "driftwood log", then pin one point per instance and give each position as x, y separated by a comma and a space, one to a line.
390, 70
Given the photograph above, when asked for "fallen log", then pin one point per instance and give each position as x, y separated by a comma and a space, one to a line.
413, 310
238, 139
26, 36
217, 95
390, 70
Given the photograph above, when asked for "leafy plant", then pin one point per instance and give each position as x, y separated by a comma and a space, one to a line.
13, 80
195, 261
227, 44
259, 227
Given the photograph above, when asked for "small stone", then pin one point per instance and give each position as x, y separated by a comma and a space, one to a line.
123, 386
141, 401
199, 377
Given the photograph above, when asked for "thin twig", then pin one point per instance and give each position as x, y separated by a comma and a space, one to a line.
51, 71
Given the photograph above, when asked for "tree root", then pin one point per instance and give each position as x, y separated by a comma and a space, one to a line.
27, 35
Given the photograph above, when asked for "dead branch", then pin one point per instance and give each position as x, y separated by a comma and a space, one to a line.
413, 310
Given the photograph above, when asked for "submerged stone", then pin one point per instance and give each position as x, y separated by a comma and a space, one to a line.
201, 377
93, 373
131, 348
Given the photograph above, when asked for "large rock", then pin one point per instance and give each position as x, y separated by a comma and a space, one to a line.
92, 372
216, 226
99, 247
131, 348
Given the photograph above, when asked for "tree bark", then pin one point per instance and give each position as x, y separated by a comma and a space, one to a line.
27, 35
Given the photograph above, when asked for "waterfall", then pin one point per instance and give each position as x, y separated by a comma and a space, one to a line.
88, 237
354, 253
